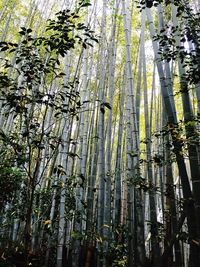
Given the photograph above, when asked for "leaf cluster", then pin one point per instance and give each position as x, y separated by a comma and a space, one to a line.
11, 177
24, 91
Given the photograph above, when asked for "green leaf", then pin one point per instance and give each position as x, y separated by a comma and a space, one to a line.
23, 28
12, 50
29, 30
102, 109
84, 45
106, 104
85, 4
4, 48
22, 32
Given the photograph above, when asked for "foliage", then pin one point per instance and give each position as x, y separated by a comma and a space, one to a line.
117, 248
188, 33
25, 89
11, 177
84, 180
34, 69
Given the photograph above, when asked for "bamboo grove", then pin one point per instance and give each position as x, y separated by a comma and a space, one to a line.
99, 133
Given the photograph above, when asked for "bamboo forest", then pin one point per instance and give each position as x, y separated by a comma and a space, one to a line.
99, 133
